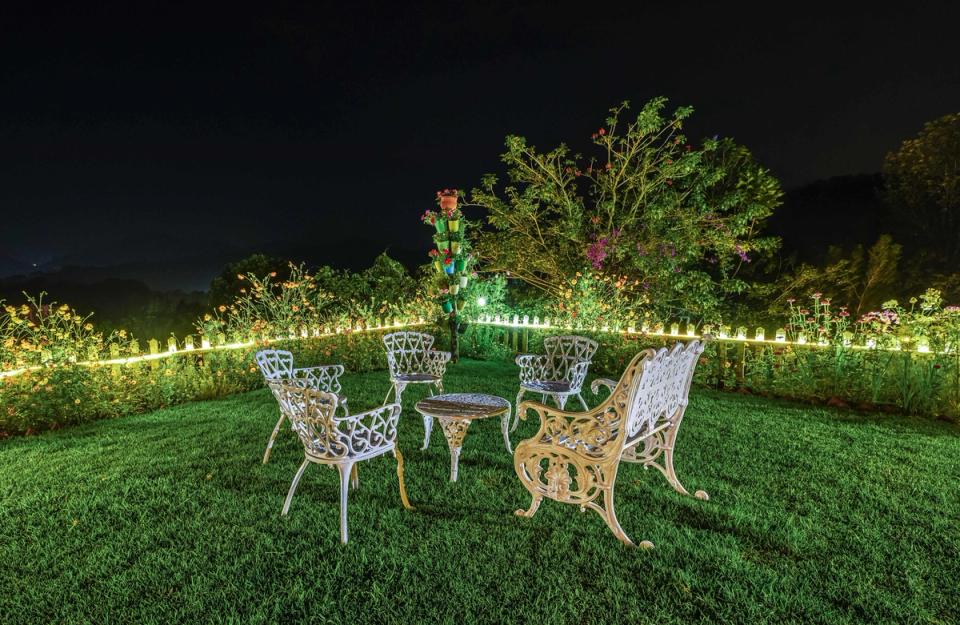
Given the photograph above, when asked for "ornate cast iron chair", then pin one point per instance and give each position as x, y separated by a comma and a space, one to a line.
412, 360
338, 441
574, 457
559, 373
277, 365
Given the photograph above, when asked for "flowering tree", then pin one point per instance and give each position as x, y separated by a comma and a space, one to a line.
648, 207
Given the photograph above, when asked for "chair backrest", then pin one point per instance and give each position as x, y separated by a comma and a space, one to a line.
579, 347
405, 351
657, 385
311, 415
275, 364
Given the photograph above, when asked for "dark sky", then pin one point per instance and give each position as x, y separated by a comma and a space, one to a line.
154, 129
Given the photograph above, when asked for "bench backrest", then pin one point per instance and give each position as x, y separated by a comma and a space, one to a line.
657, 385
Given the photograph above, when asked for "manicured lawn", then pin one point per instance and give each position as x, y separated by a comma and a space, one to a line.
168, 517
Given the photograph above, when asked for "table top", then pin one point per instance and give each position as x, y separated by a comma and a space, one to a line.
463, 406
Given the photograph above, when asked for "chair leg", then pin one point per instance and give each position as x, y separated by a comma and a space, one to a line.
273, 437
354, 478
427, 428
345, 470
392, 389
582, 402
403, 488
505, 428
516, 418
439, 385
293, 487
561, 400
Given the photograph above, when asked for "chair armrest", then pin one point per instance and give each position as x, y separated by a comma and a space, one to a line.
596, 384
576, 374
532, 367
370, 429
435, 362
323, 378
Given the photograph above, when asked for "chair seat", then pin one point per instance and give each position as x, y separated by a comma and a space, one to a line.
416, 377
543, 386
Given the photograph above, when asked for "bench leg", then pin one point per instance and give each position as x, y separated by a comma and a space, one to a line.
534, 504
403, 488
669, 472
609, 515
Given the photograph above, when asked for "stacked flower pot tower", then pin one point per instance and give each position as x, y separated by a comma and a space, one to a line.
451, 260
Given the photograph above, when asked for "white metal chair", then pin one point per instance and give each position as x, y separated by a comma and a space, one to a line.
574, 457
559, 373
412, 360
338, 441
277, 365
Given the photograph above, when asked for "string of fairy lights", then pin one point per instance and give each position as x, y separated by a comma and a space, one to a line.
515, 321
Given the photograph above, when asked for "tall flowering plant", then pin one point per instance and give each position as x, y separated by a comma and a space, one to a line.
38, 332
819, 322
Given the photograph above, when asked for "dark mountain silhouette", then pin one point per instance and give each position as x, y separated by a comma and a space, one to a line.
844, 211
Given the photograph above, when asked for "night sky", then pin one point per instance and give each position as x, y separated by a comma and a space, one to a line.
146, 132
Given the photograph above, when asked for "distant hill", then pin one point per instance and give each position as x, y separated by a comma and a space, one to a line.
115, 303
844, 211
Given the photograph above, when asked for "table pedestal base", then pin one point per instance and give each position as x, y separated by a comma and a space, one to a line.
455, 431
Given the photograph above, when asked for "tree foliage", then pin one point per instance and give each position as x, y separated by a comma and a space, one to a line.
859, 279
922, 184
647, 209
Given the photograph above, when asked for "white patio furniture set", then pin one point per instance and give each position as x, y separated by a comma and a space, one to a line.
573, 457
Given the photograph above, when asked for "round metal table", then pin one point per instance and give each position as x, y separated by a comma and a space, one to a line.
456, 411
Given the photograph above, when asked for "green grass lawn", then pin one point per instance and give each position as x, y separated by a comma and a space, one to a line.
815, 516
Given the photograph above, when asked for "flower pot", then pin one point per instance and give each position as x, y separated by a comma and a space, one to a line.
460, 264
463, 281
448, 202
460, 304
440, 225
447, 306
453, 225
454, 289
454, 247
438, 265
449, 268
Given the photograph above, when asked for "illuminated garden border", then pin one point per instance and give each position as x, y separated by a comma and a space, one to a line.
189, 347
